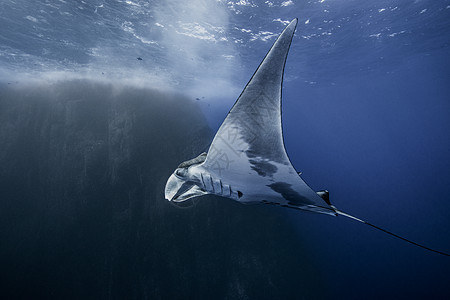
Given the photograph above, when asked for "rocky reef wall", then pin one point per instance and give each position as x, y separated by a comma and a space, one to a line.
83, 214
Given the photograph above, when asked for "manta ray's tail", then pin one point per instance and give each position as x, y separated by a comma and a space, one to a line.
388, 232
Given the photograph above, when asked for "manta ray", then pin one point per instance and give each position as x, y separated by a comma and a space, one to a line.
247, 160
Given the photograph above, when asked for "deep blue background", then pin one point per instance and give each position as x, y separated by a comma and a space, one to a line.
380, 145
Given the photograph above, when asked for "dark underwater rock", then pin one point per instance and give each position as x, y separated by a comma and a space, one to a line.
83, 214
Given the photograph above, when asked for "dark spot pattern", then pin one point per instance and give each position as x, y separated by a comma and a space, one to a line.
263, 167
286, 191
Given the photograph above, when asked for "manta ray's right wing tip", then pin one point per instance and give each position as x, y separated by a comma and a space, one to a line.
292, 25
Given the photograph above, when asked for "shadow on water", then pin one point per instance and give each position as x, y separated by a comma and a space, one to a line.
82, 209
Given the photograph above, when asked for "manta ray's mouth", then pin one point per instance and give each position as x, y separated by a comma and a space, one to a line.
173, 186
179, 189
183, 189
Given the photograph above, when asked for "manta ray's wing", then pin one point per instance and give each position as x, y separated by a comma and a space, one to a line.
248, 151
252, 128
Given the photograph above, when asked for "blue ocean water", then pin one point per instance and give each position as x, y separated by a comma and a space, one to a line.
366, 108
372, 128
